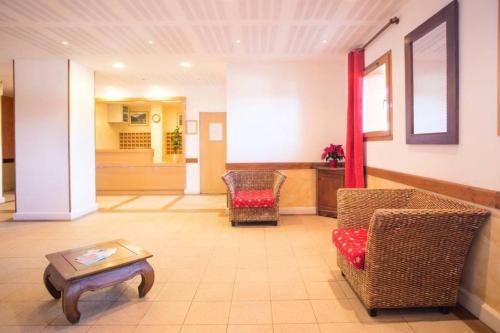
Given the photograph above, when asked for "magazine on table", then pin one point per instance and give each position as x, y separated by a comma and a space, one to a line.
95, 255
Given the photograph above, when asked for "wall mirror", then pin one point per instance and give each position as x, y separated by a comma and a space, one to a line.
431, 73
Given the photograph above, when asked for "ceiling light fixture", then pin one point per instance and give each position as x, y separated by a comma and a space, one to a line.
64, 42
151, 42
324, 41
186, 64
118, 65
238, 41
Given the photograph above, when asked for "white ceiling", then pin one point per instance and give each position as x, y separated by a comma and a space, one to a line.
204, 32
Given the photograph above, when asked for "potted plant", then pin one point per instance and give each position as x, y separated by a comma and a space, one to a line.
176, 140
333, 154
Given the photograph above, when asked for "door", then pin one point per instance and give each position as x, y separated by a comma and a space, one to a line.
212, 152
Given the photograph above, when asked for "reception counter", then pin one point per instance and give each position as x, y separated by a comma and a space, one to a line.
133, 172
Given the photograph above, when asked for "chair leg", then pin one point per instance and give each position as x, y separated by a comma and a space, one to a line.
372, 312
275, 223
233, 223
343, 275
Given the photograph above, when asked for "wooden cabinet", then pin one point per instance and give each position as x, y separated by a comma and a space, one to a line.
328, 181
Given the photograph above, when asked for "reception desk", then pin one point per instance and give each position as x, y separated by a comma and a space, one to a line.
133, 172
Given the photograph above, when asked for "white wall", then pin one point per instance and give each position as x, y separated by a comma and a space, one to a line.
82, 140
285, 111
41, 111
476, 159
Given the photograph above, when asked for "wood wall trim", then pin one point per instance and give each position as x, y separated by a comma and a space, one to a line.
274, 166
192, 160
481, 196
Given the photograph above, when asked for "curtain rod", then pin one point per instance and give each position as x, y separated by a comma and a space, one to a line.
394, 20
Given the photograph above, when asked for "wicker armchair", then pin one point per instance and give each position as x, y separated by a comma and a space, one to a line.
416, 246
253, 180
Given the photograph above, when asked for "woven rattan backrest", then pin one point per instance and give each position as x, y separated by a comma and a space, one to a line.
253, 179
424, 200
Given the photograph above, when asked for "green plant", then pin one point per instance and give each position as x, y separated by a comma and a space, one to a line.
177, 140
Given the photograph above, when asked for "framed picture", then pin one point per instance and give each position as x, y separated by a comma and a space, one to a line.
191, 126
139, 117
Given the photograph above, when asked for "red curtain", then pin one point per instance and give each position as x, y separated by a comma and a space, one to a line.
354, 175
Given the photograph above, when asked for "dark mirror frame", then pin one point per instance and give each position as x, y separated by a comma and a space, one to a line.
448, 14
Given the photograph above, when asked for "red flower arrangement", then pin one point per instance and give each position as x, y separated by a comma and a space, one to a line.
333, 154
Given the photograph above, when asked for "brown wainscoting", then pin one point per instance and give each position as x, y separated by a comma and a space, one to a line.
275, 166
481, 196
191, 160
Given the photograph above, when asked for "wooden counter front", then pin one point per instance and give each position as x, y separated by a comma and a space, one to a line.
124, 156
140, 178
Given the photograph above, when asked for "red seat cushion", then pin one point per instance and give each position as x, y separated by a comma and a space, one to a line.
352, 245
253, 199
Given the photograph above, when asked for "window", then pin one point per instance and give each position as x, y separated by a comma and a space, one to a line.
377, 100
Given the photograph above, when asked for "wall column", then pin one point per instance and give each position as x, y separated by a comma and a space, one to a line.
55, 140
157, 132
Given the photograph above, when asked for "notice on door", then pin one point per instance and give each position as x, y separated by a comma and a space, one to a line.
215, 131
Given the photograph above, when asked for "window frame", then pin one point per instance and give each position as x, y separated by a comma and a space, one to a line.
386, 59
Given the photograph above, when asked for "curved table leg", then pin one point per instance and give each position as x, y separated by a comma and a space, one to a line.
148, 278
71, 294
50, 287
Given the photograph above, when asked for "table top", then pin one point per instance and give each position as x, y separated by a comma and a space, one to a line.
126, 253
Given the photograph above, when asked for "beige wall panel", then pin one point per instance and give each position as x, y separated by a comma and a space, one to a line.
145, 177
299, 189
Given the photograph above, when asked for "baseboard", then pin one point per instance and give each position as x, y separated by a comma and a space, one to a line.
81, 212
298, 210
42, 216
483, 311
54, 216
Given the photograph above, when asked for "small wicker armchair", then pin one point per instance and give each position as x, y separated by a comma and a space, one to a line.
252, 180
416, 247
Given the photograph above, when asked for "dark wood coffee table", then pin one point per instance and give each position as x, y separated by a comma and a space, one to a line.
64, 275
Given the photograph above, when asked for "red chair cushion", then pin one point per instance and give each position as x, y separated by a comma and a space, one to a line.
253, 199
352, 245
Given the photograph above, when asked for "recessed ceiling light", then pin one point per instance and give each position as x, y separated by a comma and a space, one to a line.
64, 42
186, 64
151, 42
238, 41
324, 41
118, 65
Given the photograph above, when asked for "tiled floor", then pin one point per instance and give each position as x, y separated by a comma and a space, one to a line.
210, 277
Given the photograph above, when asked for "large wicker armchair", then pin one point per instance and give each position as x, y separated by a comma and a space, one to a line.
416, 246
253, 195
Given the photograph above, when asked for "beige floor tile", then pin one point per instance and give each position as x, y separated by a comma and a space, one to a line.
208, 291
250, 329
165, 313
252, 275
389, 315
296, 328
109, 201
201, 202
158, 329
29, 313
251, 291
284, 275
185, 275
90, 312
342, 328
288, 291
203, 329
208, 313
334, 311
446, 326
124, 313
324, 290
291, 312
61, 329
251, 312
131, 294
111, 329
219, 275
177, 292
346, 288
148, 202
